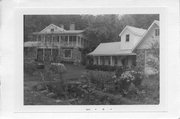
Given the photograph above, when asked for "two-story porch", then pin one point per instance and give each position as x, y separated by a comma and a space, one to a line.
56, 44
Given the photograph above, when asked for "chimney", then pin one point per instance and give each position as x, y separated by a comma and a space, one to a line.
62, 26
72, 26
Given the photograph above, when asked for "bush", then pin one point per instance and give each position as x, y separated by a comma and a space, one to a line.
30, 68
100, 78
127, 78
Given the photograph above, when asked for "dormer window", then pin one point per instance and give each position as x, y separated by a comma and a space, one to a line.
52, 30
127, 38
156, 32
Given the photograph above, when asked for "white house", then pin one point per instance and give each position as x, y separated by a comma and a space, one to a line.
56, 44
130, 50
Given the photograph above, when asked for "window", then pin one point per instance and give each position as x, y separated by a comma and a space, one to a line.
67, 53
52, 30
156, 32
127, 38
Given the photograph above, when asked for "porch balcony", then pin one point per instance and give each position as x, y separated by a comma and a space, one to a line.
59, 44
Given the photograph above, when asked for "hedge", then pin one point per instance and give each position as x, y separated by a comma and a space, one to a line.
104, 67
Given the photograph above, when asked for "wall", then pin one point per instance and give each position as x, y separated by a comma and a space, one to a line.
149, 39
133, 39
144, 48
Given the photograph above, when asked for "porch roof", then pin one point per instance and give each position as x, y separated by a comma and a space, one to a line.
57, 32
111, 49
31, 44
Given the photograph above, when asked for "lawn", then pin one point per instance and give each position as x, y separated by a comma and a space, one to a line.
148, 93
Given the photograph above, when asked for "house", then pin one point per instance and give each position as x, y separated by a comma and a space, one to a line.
55, 44
133, 48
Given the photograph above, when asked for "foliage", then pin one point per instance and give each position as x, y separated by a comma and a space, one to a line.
101, 67
100, 78
123, 82
154, 61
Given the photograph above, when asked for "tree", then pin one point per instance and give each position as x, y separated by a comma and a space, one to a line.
102, 28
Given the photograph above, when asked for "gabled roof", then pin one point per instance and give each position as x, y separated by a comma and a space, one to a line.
142, 39
117, 48
112, 48
136, 31
52, 26
57, 30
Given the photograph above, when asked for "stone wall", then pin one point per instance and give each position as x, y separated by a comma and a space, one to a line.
76, 56
140, 59
30, 53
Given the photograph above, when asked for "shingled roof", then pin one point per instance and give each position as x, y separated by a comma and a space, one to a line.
57, 30
112, 48
118, 48
135, 30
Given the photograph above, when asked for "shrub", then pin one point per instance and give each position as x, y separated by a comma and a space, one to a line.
123, 82
100, 78
29, 68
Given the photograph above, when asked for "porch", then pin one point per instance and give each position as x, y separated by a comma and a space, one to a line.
128, 61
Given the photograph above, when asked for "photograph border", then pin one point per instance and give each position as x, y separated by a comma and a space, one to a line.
18, 90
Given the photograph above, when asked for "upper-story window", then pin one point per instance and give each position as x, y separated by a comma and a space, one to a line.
156, 32
52, 30
127, 38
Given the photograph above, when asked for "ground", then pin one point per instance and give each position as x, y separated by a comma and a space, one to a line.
32, 97
149, 91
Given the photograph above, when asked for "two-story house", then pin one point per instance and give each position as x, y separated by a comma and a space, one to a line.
55, 44
131, 49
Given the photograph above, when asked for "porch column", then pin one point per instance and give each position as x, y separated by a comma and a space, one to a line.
99, 60
51, 55
36, 37
36, 53
111, 61
80, 41
59, 39
43, 53
76, 41
68, 40
94, 60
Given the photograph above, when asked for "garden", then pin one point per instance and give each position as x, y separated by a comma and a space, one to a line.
68, 84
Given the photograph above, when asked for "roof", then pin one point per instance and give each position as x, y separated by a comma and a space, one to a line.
31, 44
117, 48
57, 30
112, 48
135, 30
142, 39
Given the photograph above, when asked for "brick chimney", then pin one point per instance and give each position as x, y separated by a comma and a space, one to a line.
72, 26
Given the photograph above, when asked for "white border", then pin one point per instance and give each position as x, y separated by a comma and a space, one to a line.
19, 107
